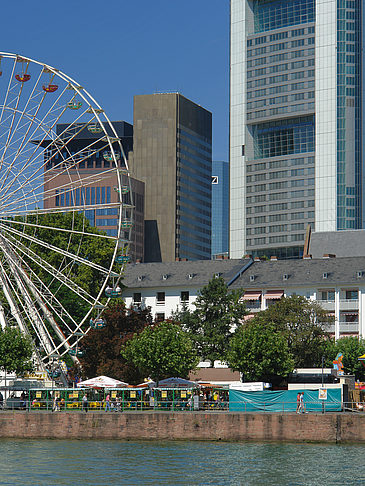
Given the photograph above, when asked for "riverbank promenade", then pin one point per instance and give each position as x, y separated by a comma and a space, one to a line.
288, 427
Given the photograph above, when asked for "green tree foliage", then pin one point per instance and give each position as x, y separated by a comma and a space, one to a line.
260, 352
217, 312
161, 351
15, 351
102, 346
352, 348
302, 323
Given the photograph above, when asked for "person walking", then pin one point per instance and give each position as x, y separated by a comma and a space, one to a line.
107, 403
302, 404
84, 403
298, 402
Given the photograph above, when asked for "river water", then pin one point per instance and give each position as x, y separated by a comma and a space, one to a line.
89, 463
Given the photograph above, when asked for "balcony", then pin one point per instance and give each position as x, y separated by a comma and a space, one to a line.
346, 327
349, 304
327, 305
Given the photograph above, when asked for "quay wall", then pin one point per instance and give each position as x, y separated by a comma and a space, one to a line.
330, 427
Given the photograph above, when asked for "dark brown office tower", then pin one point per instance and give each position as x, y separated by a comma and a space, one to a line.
172, 155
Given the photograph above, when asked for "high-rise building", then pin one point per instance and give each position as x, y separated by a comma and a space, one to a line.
220, 208
81, 176
296, 122
172, 155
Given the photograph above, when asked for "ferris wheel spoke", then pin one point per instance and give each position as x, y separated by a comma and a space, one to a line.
70, 162
60, 251
54, 272
25, 299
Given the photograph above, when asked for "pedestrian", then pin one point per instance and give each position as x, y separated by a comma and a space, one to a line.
107, 403
84, 403
298, 402
55, 404
118, 403
302, 404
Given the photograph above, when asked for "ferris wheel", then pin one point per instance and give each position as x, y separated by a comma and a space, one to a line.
66, 207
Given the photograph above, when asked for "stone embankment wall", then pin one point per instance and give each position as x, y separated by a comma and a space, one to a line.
331, 427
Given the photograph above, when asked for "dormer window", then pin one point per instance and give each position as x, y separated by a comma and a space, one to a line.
285, 276
252, 278
165, 277
190, 276
140, 278
325, 275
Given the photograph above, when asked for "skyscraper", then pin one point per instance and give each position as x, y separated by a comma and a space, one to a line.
220, 208
296, 112
172, 155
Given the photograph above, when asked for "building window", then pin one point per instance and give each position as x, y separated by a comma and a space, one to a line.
160, 297
160, 317
184, 296
352, 294
327, 295
137, 298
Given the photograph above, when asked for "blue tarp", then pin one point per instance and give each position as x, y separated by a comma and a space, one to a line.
283, 401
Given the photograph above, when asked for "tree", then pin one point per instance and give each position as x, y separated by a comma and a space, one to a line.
15, 351
352, 348
302, 322
102, 346
260, 352
161, 351
217, 313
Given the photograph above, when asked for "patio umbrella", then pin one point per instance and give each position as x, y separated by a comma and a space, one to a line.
178, 382
101, 382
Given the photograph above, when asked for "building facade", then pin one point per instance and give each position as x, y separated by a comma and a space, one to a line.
172, 155
337, 284
220, 208
296, 111
90, 182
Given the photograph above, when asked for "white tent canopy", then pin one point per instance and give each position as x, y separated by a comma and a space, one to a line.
101, 382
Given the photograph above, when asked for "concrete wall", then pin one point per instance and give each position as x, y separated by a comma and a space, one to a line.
185, 426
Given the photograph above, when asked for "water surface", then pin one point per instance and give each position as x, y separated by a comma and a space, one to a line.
86, 462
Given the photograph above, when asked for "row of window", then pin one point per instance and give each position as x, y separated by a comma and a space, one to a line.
280, 100
273, 218
280, 174
279, 89
280, 228
280, 111
83, 196
280, 185
275, 196
275, 239
293, 204
160, 297
277, 164
279, 217
283, 56
282, 67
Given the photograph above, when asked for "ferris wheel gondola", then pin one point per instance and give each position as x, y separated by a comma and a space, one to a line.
49, 207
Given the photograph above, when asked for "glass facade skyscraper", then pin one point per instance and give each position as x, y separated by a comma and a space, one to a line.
296, 145
220, 208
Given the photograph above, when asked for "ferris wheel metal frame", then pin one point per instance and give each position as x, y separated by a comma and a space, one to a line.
36, 129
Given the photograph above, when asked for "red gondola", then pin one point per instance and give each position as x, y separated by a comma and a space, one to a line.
22, 78
50, 88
